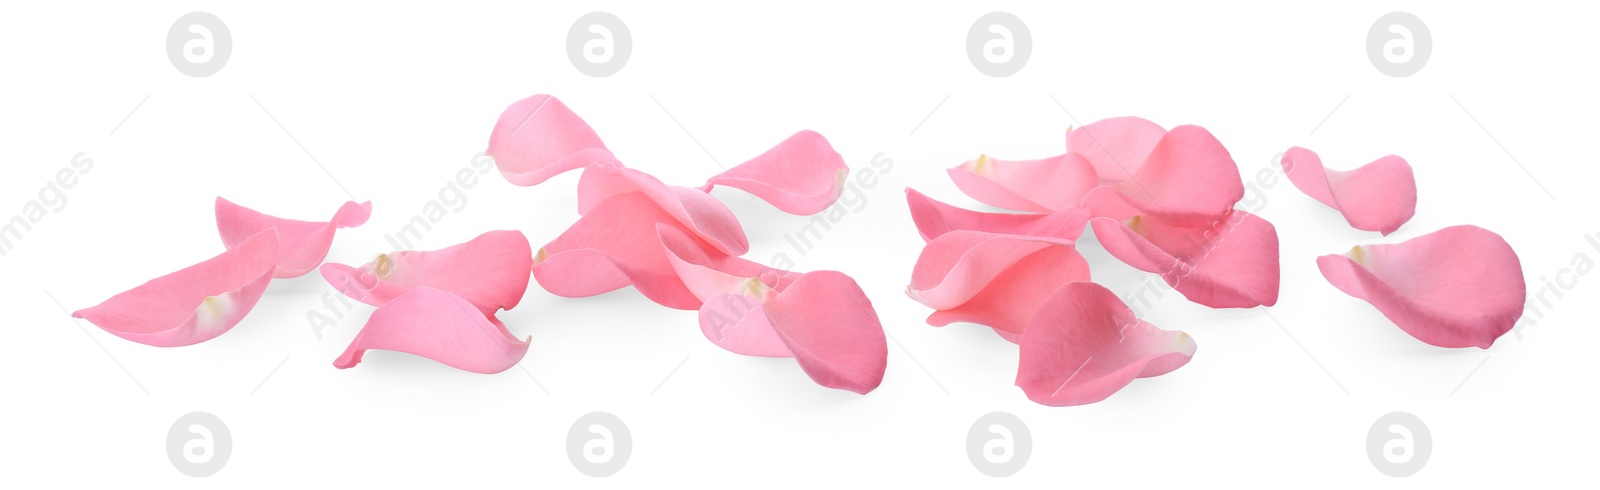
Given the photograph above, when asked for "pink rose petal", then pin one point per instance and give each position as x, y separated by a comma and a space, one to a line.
489, 271
1084, 344
539, 137
1189, 179
302, 244
1232, 263
615, 244
828, 322
1457, 287
693, 209
934, 218
1115, 147
802, 175
1037, 186
195, 304
437, 325
1379, 196
990, 279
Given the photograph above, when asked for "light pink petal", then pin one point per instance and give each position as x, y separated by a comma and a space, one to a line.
1457, 287
1009, 300
829, 324
1116, 147
1037, 186
739, 323
613, 245
693, 209
195, 304
955, 266
1085, 344
1379, 196
707, 272
437, 325
1189, 179
802, 175
1232, 263
935, 218
490, 271
301, 244
539, 137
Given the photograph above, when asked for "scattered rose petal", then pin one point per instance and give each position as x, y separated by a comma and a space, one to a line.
991, 279
301, 244
693, 209
195, 304
614, 245
802, 175
490, 272
935, 218
539, 137
1379, 196
1085, 344
437, 325
1457, 287
1232, 263
1189, 179
1115, 147
1037, 186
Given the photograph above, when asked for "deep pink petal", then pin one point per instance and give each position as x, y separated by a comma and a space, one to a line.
437, 325
1232, 263
830, 325
1457, 287
935, 218
613, 245
1189, 179
539, 137
195, 304
490, 271
955, 266
802, 175
1084, 344
693, 209
302, 244
1037, 186
1116, 147
1379, 196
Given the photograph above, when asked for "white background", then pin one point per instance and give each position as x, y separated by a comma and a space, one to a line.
393, 103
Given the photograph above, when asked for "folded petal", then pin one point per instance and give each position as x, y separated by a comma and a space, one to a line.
438, 325
195, 304
1037, 186
828, 322
301, 244
1457, 287
539, 137
802, 175
935, 218
707, 272
615, 244
1232, 263
990, 279
490, 272
1116, 147
1189, 179
1084, 344
693, 209
1379, 196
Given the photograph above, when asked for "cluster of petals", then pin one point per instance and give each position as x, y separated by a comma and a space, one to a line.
680, 247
